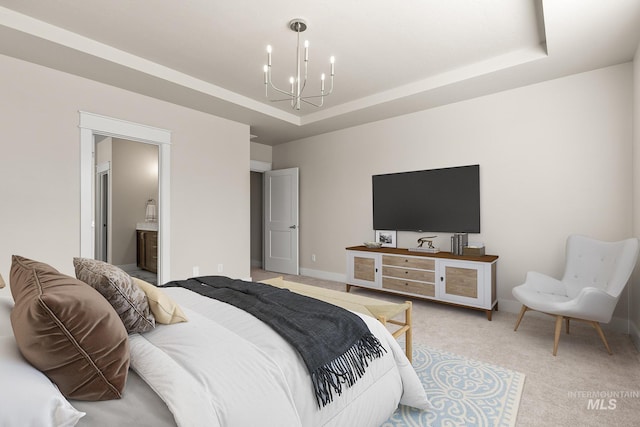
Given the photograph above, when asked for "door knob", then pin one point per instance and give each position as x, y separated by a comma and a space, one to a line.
293, 227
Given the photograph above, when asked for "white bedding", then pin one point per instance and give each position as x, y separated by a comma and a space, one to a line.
225, 367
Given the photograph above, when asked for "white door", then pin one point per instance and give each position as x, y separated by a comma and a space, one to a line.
281, 221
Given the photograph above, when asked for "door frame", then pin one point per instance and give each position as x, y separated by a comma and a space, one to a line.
103, 211
90, 125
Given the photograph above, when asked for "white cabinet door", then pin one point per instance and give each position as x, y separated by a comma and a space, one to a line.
363, 268
461, 282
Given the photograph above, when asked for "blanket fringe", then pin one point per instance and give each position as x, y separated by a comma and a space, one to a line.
345, 369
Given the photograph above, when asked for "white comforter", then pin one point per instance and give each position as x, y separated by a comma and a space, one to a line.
226, 368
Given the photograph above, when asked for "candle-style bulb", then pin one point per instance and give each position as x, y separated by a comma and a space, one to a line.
333, 61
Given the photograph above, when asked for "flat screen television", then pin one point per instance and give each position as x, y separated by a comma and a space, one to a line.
434, 200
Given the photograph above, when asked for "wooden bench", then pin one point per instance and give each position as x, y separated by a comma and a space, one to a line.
383, 311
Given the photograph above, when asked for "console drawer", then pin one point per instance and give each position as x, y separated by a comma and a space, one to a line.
421, 288
402, 273
407, 262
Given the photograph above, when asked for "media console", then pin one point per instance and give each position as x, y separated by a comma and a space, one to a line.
467, 281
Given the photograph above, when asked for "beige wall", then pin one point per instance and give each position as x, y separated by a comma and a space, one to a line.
555, 158
261, 152
40, 171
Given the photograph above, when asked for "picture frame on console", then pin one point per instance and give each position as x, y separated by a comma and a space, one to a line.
387, 238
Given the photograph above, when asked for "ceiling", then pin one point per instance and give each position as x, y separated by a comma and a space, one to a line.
392, 58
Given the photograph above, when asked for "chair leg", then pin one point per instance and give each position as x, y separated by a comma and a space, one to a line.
567, 322
557, 336
602, 337
523, 310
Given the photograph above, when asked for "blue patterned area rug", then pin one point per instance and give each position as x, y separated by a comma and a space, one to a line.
462, 392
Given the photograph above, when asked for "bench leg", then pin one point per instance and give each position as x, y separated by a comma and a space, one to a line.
405, 328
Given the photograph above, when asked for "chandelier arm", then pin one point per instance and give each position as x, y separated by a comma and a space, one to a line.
313, 96
306, 101
289, 94
330, 89
283, 99
274, 87
302, 98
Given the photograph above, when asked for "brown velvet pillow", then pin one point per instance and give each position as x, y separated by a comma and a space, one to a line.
67, 330
118, 288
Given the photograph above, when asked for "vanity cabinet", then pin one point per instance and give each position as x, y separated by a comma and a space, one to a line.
147, 250
468, 281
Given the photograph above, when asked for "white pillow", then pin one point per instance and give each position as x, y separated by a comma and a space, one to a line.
28, 397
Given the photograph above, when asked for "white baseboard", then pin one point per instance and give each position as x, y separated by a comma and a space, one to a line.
324, 275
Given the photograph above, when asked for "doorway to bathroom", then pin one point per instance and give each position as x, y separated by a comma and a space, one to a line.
126, 205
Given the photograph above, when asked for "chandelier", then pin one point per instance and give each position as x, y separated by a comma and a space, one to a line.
299, 82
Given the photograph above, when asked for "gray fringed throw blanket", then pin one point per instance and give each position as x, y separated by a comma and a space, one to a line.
335, 344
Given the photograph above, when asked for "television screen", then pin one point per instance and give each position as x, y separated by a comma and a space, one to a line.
442, 200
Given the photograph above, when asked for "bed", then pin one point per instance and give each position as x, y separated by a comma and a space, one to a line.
221, 367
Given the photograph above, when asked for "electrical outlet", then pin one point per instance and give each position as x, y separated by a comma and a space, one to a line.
313, 257
196, 271
220, 268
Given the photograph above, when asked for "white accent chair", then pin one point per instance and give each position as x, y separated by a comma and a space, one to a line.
595, 274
